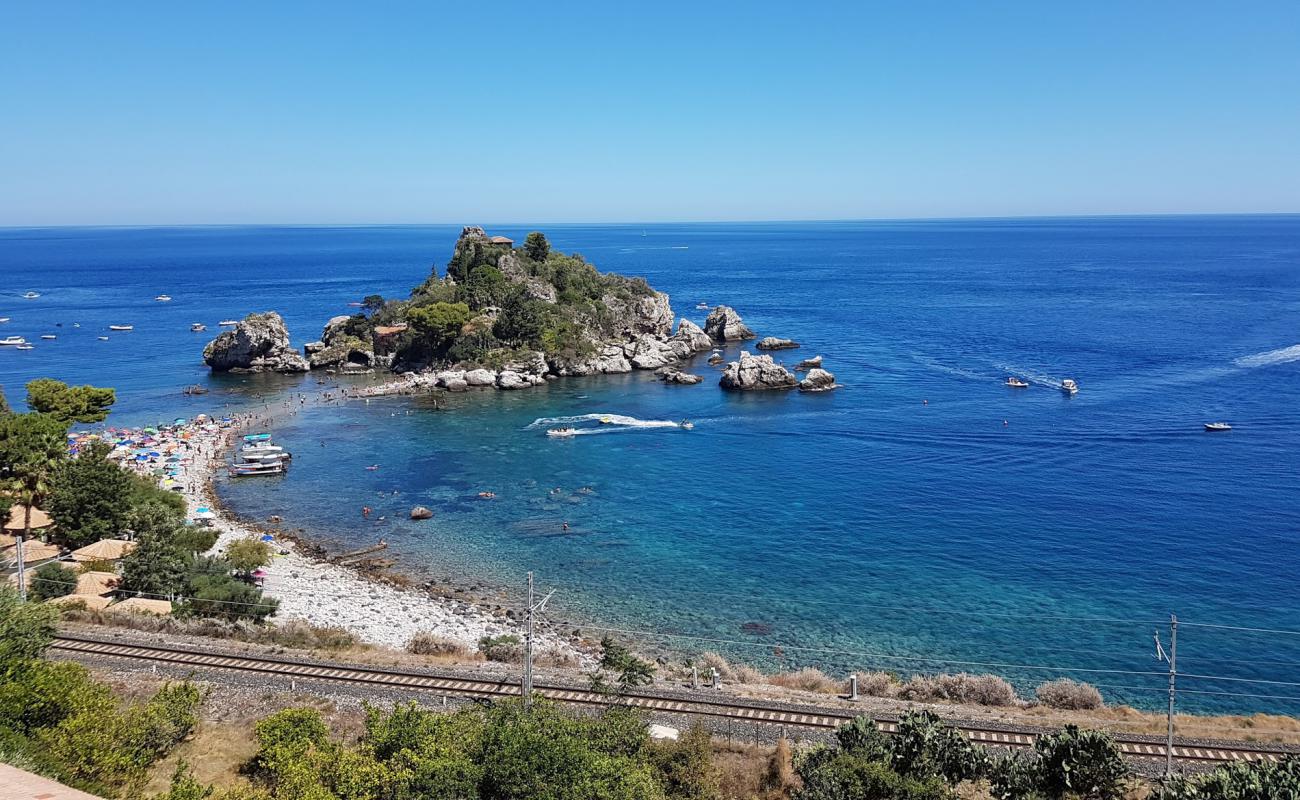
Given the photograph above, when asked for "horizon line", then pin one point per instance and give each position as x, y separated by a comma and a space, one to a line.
774, 221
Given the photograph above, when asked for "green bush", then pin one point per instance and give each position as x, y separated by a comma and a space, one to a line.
193, 539
924, 747
43, 693
506, 648
1081, 763
836, 775
1248, 780
51, 580
26, 629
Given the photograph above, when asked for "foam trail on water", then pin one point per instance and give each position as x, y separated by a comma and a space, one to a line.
1033, 376
619, 420
1282, 355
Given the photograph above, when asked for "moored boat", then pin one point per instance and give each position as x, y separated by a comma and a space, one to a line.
121, 327
24, 346
198, 327
243, 470
3, 320
1069, 386
1016, 383
1217, 426
10, 341
48, 336
102, 338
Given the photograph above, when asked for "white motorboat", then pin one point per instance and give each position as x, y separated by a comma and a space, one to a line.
3, 320
558, 432
31, 295
198, 327
243, 470
702, 306
1069, 386
1016, 383
10, 341
24, 347
102, 338
48, 336
121, 327
1217, 426
163, 298
686, 425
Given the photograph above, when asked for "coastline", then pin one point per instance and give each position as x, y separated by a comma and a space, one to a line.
325, 594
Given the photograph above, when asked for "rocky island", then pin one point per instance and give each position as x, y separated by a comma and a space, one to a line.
507, 317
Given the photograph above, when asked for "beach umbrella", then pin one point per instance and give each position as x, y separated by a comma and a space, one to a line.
150, 430
266, 537
154, 454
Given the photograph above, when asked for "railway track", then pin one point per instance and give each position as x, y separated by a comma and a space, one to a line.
731, 709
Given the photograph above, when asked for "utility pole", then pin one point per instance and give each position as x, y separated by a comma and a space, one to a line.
22, 576
527, 689
1173, 677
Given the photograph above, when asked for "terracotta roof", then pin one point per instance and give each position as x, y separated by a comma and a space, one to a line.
143, 605
103, 550
501, 240
92, 602
389, 330
33, 551
16, 513
96, 583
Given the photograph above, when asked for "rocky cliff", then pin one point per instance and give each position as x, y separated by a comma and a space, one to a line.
259, 343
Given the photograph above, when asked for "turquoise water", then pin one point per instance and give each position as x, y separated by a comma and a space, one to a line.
896, 523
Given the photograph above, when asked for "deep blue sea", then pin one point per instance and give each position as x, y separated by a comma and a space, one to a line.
923, 517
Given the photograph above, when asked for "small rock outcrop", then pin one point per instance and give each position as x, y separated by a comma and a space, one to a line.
753, 373
817, 380
259, 343
716, 359
339, 349
775, 343
808, 363
420, 512
480, 377
676, 376
725, 325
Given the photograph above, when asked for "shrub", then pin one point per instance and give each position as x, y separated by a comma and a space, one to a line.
838, 776
810, 679
748, 675
194, 539
430, 644
507, 648
1013, 777
26, 629
630, 670
42, 694
710, 661
686, 767
1069, 695
1083, 763
286, 735
52, 580
924, 747
878, 684
985, 690
1249, 780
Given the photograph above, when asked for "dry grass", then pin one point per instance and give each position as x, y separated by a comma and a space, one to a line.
753, 772
710, 661
984, 690
425, 643
294, 634
1069, 695
809, 679
878, 684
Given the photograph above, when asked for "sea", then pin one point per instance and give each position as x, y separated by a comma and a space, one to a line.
923, 517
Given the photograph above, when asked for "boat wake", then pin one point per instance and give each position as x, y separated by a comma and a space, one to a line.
1283, 355
1033, 376
608, 423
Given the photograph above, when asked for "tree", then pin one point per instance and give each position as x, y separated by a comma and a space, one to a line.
438, 324
372, 303
246, 555
536, 247
51, 580
521, 322
32, 446
630, 670
4, 404
70, 404
486, 286
90, 498
26, 629
154, 567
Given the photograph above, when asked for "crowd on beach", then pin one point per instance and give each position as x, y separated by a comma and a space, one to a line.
186, 455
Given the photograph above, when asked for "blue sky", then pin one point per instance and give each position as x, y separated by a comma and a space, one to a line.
207, 112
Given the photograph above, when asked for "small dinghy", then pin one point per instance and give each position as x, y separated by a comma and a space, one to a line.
1016, 383
198, 327
1217, 426
24, 347
102, 338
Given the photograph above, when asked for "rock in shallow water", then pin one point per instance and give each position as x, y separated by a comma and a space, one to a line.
808, 363
753, 373
420, 512
725, 325
817, 380
775, 343
259, 343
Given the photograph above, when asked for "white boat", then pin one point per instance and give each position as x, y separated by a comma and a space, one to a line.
102, 338
10, 341
558, 432
164, 298
247, 469
1069, 386
121, 327
1217, 426
3, 320
686, 425
198, 327
228, 322
702, 306
24, 347
31, 295
48, 336
1016, 383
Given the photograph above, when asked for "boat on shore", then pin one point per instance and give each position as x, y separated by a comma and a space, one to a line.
1017, 383
121, 327
249, 469
198, 327
10, 341
1069, 386
1217, 426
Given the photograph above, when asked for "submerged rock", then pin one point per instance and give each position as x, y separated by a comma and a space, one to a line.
420, 512
725, 325
817, 380
259, 343
753, 372
775, 343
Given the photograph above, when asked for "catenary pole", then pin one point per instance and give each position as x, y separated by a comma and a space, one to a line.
527, 688
1173, 678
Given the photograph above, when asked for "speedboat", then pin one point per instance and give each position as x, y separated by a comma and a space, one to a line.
257, 437
702, 306
243, 470
121, 327
198, 327
48, 336
10, 341
164, 298
226, 323
24, 347
1015, 382
1069, 386
686, 425
1217, 426
31, 295
561, 432
606, 421
3, 320
102, 338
